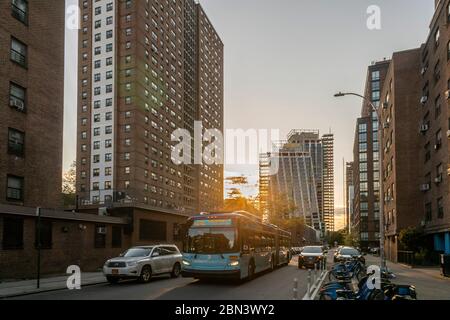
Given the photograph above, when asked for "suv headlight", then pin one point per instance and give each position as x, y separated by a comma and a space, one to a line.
132, 263
106, 263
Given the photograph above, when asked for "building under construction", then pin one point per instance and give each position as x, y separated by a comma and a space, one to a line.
295, 172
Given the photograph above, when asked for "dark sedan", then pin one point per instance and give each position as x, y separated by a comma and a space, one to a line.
311, 256
348, 253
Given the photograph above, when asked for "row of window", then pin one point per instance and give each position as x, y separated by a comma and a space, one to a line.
13, 234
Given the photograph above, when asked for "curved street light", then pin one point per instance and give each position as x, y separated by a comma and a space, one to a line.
380, 135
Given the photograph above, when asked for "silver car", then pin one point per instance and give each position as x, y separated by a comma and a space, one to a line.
143, 262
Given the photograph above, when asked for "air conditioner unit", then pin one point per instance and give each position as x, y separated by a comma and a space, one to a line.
424, 128
447, 94
424, 99
101, 230
438, 179
102, 211
423, 71
19, 105
425, 187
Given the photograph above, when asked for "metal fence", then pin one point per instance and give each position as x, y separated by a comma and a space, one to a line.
406, 257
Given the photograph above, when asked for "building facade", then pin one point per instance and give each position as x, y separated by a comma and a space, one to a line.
401, 127
433, 108
32, 96
304, 177
146, 69
328, 181
366, 175
349, 195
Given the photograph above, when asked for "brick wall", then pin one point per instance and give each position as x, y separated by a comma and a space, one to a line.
72, 245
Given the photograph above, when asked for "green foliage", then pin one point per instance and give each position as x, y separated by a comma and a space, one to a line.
411, 239
337, 236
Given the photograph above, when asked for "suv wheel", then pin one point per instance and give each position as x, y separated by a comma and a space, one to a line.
176, 270
146, 274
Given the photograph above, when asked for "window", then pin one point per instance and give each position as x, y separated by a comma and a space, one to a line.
152, 230
14, 188
108, 185
17, 96
362, 128
100, 236
108, 171
12, 233
16, 142
116, 237
375, 75
20, 10
46, 228
18, 52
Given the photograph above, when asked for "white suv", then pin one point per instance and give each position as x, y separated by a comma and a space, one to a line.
144, 262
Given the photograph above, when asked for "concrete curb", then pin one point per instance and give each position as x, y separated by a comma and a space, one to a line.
37, 291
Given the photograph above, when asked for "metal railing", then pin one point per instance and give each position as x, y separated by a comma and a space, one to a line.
406, 257
315, 279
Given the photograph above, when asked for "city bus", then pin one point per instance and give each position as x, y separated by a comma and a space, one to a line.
233, 244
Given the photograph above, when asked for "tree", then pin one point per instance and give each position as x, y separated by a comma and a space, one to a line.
411, 239
280, 209
68, 185
336, 236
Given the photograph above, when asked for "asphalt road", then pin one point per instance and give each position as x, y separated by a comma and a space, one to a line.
277, 285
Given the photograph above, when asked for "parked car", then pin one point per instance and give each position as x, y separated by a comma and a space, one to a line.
348, 253
143, 262
310, 256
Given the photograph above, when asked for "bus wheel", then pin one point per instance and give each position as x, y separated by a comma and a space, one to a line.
251, 270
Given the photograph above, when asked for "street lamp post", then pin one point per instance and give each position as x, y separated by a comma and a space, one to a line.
380, 147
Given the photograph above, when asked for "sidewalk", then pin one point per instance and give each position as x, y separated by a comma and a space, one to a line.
23, 287
429, 283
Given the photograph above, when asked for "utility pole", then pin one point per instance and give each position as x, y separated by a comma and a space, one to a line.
38, 246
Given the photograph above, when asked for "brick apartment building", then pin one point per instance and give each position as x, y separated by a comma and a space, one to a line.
31, 95
433, 110
146, 68
401, 126
31, 129
416, 124
366, 202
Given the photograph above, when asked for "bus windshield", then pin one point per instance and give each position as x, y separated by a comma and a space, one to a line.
212, 240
